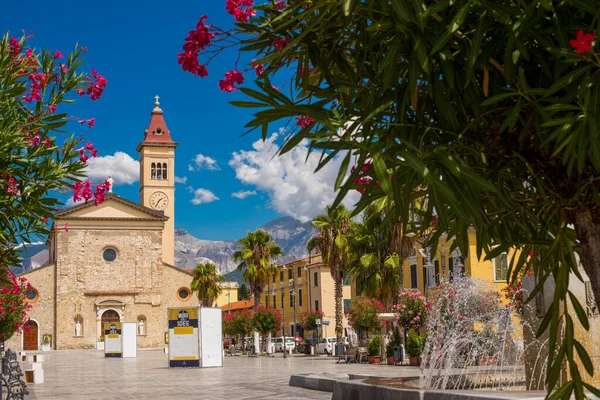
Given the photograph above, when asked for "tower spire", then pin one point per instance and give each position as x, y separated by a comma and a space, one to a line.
157, 109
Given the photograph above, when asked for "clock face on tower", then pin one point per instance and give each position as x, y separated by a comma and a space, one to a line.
159, 200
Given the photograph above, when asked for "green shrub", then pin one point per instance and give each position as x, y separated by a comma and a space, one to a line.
374, 346
414, 344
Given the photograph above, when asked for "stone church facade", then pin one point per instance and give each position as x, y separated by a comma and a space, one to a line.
114, 262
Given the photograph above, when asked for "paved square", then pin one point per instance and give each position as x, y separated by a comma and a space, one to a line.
88, 375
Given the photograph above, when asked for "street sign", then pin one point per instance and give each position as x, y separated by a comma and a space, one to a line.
318, 321
325, 322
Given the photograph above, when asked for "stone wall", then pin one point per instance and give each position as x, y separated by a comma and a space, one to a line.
42, 311
134, 284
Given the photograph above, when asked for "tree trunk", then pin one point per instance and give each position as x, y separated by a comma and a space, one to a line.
339, 308
587, 226
256, 297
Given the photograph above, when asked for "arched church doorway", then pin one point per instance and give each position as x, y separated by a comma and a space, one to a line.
30, 336
108, 316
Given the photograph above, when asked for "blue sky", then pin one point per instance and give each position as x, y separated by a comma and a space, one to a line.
134, 45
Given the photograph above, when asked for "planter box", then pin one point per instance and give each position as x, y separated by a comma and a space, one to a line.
488, 360
374, 359
99, 345
414, 361
391, 361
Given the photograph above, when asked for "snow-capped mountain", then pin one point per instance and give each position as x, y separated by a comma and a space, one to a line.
289, 233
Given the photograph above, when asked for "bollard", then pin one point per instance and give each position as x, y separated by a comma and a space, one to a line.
312, 350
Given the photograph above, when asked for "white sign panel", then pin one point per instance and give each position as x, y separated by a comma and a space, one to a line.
183, 337
211, 337
129, 339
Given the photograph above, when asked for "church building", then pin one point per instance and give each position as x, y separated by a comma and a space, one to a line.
114, 262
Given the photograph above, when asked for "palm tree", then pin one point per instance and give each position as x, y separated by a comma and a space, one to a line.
206, 283
380, 249
255, 257
331, 240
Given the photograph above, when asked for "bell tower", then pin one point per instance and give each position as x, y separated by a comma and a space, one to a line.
157, 176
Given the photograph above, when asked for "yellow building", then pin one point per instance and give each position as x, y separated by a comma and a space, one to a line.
421, 274
229, 294
300, 285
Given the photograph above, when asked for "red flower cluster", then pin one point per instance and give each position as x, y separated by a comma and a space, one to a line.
15, 46
280, 5
281, 43
196, 40
83, 191
304, 120
38, 82
13, 305
96, 87
11, 184
90, 122
258, 68
241, 10
231, 78
362, 180
582, 42
58, 54
89, 148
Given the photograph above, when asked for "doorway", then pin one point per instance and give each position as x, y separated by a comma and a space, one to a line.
108, 316
30, 336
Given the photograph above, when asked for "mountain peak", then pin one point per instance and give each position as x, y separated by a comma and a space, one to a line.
181, 232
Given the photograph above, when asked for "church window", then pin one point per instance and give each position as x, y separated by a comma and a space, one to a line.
109, 255
164, 168
153, 171
159, 171
32, 294
184, 294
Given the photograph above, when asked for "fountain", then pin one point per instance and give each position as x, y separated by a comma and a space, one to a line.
480, 345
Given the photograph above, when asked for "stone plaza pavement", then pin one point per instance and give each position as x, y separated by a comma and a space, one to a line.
86, 374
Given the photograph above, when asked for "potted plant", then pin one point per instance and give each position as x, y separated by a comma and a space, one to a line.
389, 353
100, 343
374, 350
489, 345
414, 347
46, 342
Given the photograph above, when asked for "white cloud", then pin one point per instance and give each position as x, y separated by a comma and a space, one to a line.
121, 166
293, 186
180, 179
242, 194
203, 162
202, 196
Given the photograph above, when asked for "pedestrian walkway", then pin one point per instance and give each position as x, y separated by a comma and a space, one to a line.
86, 374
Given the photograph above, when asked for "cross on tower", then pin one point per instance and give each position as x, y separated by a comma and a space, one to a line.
156, 103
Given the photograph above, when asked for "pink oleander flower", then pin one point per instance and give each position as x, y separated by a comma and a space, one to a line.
197, 39
258, 68
47, 142
241, 10
281, 43
231, 78
15, 46
63, 68
280, 5
304, 120
58, 54
582, 42
52, 108
82, 156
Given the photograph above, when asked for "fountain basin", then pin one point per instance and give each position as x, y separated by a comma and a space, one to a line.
359, 387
